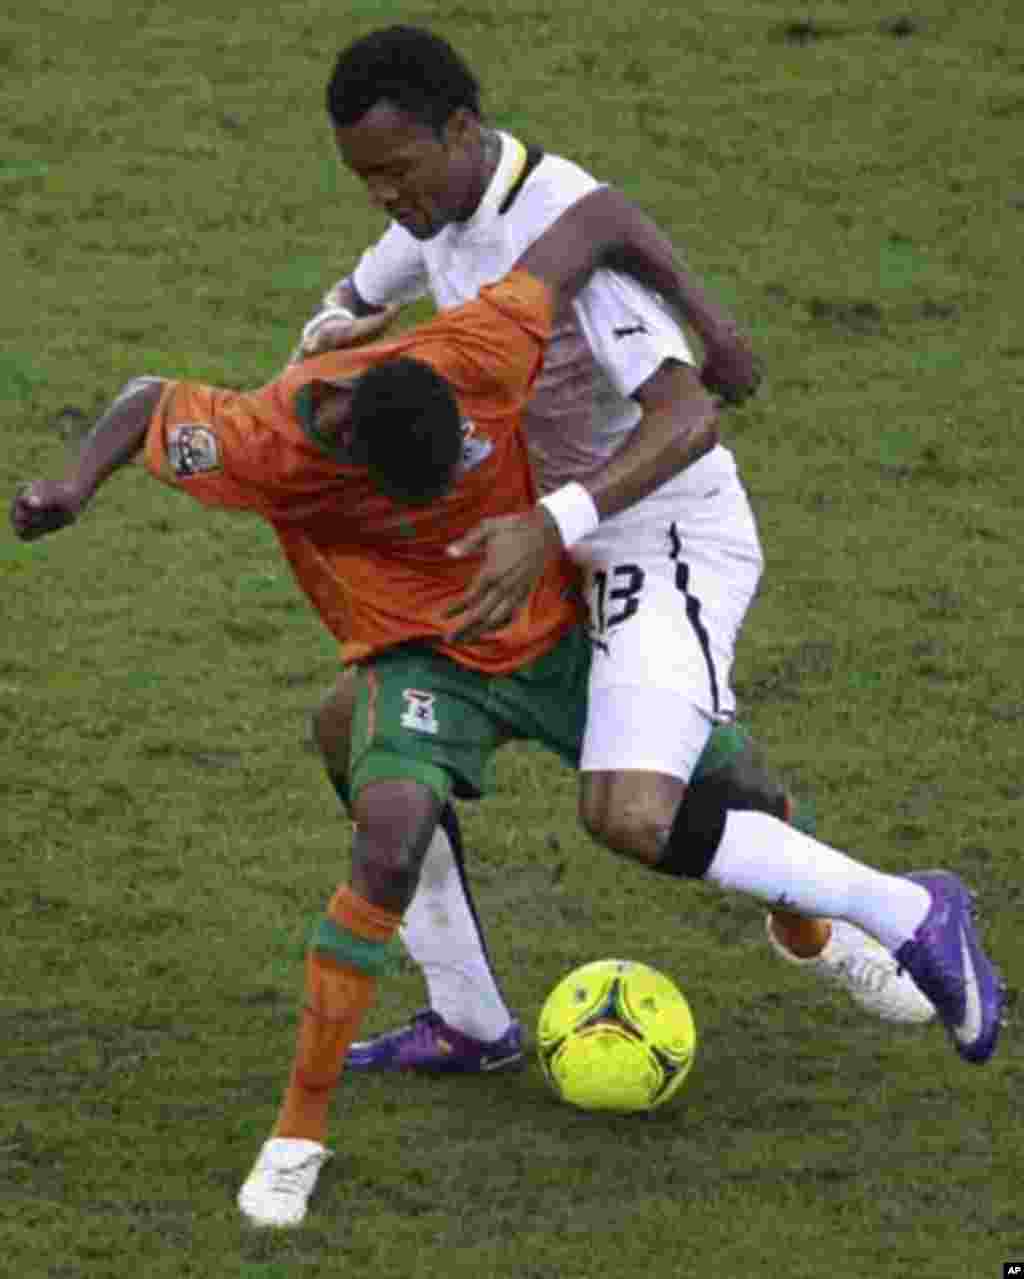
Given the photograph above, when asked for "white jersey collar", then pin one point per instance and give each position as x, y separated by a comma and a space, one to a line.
506, 175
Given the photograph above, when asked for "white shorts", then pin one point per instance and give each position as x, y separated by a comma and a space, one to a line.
668, 584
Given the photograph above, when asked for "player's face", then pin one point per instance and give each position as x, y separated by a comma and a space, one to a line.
421, 180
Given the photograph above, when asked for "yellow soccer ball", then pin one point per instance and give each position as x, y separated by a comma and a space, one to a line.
616, 1035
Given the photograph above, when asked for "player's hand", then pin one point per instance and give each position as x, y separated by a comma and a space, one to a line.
44, 506
335, 327
731, 369
517, 549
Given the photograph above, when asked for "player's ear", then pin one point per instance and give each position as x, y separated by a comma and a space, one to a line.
461, 127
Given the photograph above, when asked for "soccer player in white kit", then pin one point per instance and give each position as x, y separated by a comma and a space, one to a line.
666, 538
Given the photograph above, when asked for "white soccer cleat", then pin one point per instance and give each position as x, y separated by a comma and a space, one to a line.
277, 1191
862, 967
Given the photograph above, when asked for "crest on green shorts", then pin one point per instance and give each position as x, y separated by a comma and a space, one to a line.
419, 711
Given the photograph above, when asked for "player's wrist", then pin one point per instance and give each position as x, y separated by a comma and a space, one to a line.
347, 296
330, 326
573, 511
338, 295
333, 311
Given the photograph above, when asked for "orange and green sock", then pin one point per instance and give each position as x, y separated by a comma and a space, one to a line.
353, 944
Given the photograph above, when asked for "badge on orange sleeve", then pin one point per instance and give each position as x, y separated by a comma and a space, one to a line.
192, 449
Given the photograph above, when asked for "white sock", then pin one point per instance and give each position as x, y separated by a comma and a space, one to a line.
440, 932
772, 861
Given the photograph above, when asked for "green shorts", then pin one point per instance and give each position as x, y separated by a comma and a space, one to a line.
422, 717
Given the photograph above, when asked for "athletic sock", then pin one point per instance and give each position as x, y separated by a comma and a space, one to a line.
341, 985
805, 938
444, 937
763, 857
442, 933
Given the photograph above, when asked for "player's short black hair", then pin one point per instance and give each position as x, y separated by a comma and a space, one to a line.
413, 69
407, 426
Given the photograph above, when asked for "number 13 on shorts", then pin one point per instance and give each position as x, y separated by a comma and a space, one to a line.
614, 596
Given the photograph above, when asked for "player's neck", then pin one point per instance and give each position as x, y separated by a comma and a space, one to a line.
490, 158
332, 420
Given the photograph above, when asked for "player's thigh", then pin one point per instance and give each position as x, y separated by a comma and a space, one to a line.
653, 740
643, 728
332, 721
667, 595
669, 625
545, 701
421, 718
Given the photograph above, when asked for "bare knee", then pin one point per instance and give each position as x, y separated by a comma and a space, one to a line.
631, 812
630, 832
395, 821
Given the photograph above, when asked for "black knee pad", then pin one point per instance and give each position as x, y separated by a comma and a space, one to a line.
744, 783
696, 830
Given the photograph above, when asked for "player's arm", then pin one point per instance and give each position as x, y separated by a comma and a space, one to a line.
345, 319
44, 506
678, 425
679, 419
362, 305
606, 229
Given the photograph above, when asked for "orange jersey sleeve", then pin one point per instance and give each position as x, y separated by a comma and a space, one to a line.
492, 347
490, 350
197, 440
379, 574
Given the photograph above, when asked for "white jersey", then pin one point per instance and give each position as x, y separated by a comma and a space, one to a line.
668, 580
606, 343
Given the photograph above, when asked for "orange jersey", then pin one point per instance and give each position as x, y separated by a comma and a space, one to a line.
378, 573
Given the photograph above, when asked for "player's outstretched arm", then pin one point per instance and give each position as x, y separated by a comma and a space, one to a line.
607, 229
44, 506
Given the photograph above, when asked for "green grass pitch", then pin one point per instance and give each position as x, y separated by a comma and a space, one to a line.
849, 176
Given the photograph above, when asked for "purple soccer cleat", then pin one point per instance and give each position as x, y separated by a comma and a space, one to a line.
430, 1045
946, 960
